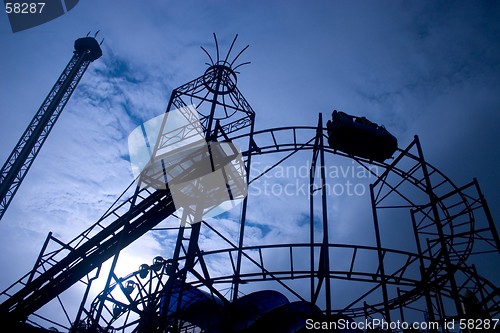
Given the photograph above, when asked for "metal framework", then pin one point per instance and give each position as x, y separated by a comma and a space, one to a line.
21, 158
448, 225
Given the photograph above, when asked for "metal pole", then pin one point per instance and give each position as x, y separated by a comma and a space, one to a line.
383, 281
325, 246
439, 227
425, 286
243, 219
40, 256
311, 225
489, 217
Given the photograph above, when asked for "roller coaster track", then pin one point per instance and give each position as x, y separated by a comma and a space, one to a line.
87, 255
132, 218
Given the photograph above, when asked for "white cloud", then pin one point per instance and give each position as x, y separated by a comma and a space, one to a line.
417, 68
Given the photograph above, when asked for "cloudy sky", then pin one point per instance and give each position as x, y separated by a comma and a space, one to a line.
418, 67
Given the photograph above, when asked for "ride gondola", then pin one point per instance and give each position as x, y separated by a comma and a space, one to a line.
360, 137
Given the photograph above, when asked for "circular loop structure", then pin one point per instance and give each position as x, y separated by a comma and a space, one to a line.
409, 275
220, 79
133, 301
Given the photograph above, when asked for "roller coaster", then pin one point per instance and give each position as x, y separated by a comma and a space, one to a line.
242, 285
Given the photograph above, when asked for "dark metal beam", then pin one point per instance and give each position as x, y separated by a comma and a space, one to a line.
24, 153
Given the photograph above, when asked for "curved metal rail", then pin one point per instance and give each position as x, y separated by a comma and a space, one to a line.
31, 293
302, 138
129, 220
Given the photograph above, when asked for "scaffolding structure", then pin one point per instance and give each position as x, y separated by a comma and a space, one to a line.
189, 292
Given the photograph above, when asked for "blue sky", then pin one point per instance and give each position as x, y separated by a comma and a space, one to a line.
422, 67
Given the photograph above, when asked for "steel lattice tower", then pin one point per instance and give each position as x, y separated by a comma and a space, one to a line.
87, 49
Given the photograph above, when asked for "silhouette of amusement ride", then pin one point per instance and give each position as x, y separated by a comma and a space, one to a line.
244, 285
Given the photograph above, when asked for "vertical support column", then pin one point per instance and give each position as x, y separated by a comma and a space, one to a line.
401, 309
489, 217
111, 273
85, 296
196, 227
312, 174
311, 226
236, 281
425, 284
174, 275
40, 256
325, 246
383, 280
437, 221
119, 246
192, 250
441, 309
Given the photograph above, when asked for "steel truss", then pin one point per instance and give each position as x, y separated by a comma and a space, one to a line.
450, 225
424, 278
24, 153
